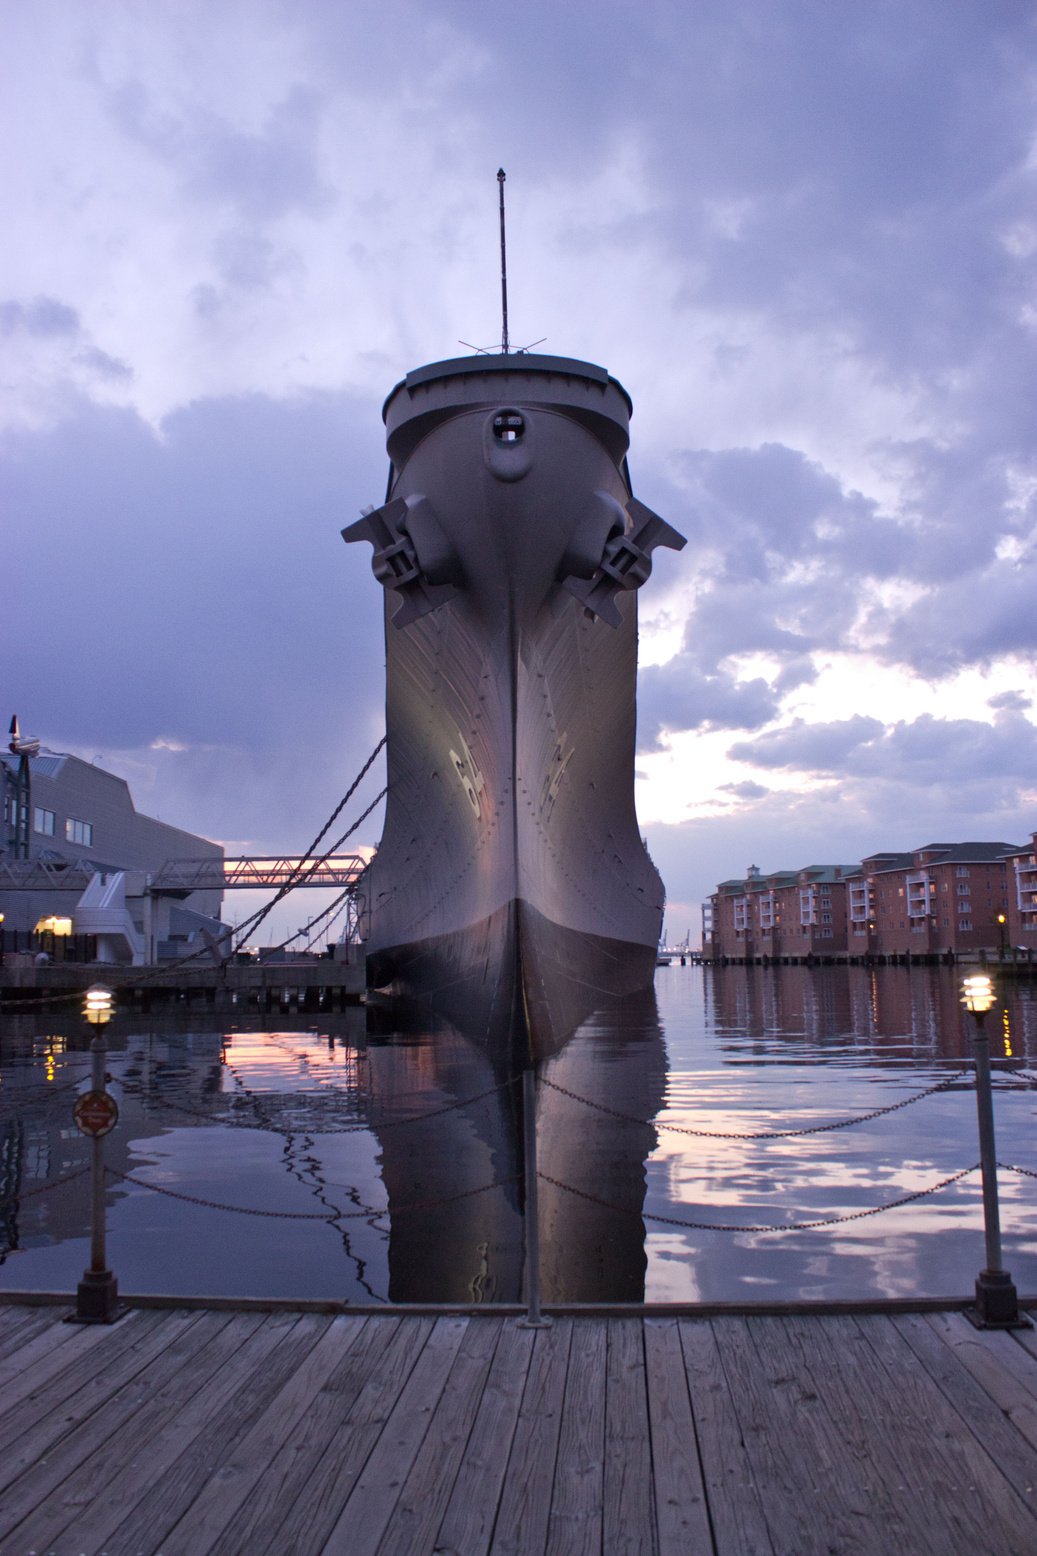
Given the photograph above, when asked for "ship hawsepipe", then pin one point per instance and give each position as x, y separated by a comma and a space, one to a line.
511, 888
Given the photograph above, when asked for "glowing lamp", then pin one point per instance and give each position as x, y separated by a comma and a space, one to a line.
977, 994
53, 924
97, 1007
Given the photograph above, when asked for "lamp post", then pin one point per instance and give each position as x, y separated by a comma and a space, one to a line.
95, 1114
997, 1303
534, 1318
1001, 937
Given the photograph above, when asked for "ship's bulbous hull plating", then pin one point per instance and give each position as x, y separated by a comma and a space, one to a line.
511, 887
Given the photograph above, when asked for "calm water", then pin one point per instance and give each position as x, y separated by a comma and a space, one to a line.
393, 1160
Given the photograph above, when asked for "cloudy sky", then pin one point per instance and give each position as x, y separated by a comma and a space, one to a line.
802, 233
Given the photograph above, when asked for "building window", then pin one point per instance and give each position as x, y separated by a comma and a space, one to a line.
43, 821
79, 831
962, 869
964, 923
963, 889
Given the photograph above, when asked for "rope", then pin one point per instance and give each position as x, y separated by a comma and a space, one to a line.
790, 1226
768, 1134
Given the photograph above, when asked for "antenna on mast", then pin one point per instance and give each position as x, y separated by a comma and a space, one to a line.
503, 267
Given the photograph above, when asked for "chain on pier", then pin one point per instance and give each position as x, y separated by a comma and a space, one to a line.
953, 1082
785, 1226
368, 1212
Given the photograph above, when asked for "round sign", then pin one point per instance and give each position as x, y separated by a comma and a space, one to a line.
95, 1113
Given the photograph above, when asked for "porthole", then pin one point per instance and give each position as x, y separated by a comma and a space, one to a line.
508, 427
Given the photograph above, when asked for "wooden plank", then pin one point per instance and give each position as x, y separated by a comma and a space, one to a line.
886, 1482
627, 1499
50, 1353
212, 1427
1027, 1338
1004, 1371
992, 1459
241, 1471
472, 1509
576, 1507
287, 1480
525, 1505
141, 1464
733, 1492
72, 1397
76, 1471
385, 1362
681, 1511
369, 1507
19, 1325
426, 1491
769, 1430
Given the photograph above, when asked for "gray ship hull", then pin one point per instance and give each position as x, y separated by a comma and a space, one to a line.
511, 887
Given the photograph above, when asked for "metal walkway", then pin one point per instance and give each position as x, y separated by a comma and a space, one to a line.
187, 875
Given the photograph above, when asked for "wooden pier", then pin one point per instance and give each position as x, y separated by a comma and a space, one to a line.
187, 1430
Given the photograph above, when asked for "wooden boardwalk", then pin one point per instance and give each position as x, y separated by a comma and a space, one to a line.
184, 1432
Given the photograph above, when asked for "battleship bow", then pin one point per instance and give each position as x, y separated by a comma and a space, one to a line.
511, 888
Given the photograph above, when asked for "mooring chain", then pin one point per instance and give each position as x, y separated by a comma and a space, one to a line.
27, 1101
250, 1100
369, 1213
45, 1188
768, 1134
1010, 1167
789, 1226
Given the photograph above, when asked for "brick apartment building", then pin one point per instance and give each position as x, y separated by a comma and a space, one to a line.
792, 913
944, 899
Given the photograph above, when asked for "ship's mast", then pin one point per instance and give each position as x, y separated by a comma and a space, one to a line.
505, 348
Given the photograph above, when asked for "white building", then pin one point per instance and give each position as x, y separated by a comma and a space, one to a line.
71, 818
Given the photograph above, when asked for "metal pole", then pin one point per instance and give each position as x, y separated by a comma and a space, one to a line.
997, 1302
503, 266
98, 1264
97, 1295
987, 1146
534, 1319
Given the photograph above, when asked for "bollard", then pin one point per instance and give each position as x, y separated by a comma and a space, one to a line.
534, 1319
95, 1114
997, 1302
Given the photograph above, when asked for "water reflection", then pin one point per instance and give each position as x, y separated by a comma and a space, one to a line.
455, 1180
387, 1162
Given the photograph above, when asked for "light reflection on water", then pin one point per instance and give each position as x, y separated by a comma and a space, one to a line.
412, 1141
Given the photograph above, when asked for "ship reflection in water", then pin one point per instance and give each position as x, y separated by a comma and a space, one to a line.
453, 1237
373, 1160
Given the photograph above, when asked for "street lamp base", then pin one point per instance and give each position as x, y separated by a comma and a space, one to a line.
997, 1303
97, 1299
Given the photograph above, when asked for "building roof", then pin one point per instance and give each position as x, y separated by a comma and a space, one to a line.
48, 765
964, 853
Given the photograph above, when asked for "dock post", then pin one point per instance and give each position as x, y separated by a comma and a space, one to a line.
95, 1114
534, 1319
997, 1302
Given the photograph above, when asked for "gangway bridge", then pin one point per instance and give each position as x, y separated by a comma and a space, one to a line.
182, 876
